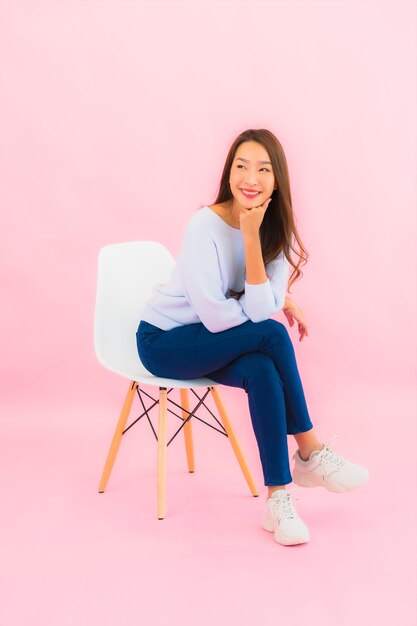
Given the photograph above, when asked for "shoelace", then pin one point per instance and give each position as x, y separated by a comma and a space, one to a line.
282, 507
330, 461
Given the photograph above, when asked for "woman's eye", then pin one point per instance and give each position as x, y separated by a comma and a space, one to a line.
262, 168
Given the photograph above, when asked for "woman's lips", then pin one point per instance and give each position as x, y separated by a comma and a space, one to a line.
249, 194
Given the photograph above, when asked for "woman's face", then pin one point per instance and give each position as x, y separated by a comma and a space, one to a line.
251, 171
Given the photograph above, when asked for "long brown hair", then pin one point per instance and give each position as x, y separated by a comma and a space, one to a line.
278, 229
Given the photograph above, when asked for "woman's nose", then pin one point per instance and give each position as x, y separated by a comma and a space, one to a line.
251, 178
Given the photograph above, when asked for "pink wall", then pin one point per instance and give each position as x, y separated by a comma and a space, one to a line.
116, 117
115, 122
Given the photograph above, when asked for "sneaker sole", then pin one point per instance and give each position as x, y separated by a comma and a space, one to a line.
291, 543
267, 525
303, 481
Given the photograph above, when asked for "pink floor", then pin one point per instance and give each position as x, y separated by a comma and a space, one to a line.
73, 557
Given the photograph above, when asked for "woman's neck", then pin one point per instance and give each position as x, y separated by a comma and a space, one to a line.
233, 212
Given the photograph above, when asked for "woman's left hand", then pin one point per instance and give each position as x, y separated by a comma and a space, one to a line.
293, 312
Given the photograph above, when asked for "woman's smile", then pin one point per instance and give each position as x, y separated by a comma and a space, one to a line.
250, 194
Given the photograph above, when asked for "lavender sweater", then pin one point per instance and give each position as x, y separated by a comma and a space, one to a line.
210, 263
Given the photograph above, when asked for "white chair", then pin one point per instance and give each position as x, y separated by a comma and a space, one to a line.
127, 272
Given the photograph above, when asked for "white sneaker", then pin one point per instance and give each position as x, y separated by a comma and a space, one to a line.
282, 519
325, 468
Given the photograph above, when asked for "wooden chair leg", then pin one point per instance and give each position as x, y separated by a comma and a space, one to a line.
162, 451
233, 441
188, 434
117, 437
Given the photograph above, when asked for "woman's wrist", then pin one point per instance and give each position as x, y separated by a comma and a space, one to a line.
251, 239
255, 269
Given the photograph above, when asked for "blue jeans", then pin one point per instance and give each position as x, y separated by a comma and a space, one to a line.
258, 357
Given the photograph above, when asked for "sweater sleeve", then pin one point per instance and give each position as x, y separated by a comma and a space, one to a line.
261, 301
202, 281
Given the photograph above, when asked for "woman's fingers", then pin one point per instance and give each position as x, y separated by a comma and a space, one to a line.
260, 209
303, 331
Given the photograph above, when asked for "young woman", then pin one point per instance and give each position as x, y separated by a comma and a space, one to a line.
213, 319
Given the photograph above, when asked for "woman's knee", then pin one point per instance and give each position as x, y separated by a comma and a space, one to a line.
274, 329
258, 368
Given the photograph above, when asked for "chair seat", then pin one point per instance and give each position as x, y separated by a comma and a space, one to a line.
141, 375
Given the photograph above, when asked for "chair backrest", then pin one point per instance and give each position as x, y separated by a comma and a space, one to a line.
127, 272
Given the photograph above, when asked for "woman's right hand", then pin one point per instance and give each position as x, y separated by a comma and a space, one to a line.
250, 220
